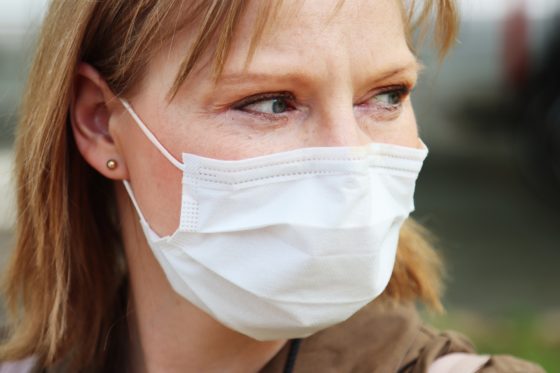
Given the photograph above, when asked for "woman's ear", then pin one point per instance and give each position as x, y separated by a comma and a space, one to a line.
90, 114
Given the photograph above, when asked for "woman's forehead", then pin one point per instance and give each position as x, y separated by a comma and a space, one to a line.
315, 35
303, 28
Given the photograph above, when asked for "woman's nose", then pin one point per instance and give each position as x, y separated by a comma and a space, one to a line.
338, 126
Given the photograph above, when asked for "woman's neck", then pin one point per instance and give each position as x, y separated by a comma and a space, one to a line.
185, 341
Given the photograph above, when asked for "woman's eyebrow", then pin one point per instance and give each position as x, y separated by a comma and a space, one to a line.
413, 67
304, 77
247, 76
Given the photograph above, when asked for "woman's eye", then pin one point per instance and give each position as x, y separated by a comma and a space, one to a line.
267, 105
391, 99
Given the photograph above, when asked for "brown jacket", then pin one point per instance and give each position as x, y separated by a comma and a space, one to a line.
385, 339
378, 339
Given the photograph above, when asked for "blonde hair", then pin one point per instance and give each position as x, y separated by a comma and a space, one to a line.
62, 284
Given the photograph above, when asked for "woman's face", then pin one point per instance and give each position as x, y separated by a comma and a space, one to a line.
320, 77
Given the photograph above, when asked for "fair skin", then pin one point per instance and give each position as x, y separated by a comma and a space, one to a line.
328, 79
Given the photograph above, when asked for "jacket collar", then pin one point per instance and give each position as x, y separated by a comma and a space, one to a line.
376, 339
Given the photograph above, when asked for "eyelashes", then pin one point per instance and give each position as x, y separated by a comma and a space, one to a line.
390, 98
393, 95
277, 105
267, 103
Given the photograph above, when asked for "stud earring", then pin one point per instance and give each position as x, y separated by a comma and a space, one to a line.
111, 164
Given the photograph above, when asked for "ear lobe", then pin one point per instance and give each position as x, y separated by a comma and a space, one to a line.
90, 117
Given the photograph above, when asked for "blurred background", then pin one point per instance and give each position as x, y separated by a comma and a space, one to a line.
490, 189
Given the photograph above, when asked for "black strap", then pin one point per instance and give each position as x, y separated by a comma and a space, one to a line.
292, 356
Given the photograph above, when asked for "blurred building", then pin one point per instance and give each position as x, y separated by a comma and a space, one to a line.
19, 20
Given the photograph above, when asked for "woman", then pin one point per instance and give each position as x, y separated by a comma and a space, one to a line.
221, 186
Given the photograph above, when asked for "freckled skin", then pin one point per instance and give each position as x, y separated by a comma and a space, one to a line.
331, 64
338, 55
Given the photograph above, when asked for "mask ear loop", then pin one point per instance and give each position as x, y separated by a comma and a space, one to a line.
153, 139
148, 230
151, 136
134, 202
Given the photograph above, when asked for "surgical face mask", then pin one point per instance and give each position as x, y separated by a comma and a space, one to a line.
284, 245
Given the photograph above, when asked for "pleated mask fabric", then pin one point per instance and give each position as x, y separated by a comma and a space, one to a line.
283, 245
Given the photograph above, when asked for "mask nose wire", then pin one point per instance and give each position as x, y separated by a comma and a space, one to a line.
153, 139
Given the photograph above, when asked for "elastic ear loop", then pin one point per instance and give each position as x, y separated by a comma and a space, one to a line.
150, 233
134, 202
159, 147
153, 139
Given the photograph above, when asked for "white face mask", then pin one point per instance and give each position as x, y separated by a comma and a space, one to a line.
284, 245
